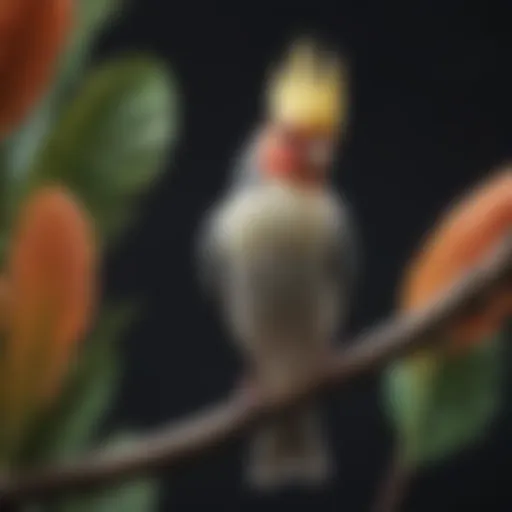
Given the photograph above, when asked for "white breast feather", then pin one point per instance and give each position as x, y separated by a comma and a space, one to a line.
273, 213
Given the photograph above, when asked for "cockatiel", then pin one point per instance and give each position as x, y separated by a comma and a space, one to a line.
278, 250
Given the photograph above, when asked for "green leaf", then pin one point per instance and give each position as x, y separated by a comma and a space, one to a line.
140, 495
91, 17
24, 144
109, 145
71, 427
440, 404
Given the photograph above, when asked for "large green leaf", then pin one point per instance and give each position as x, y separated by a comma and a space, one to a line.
441, 404
91, 17
110, 144
24, 144
71, 427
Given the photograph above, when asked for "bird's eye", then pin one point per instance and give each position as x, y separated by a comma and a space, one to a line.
319, 153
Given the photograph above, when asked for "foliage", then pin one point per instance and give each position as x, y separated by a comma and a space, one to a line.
110, 141
71, 426
441, 399
103, 133
440, 404
32, 36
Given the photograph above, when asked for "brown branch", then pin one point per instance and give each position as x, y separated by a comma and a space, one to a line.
393, 488
237, 414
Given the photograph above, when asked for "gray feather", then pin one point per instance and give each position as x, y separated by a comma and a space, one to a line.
347, 250
283, 264
244, 171
208, 257
343, 264
209, 260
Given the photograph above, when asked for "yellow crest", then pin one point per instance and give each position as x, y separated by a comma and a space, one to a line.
309, 90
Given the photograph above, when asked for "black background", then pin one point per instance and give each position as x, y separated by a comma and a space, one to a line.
431, 114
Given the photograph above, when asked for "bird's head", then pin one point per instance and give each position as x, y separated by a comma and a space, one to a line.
307, 110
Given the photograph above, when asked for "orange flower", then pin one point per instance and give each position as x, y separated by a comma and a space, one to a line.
32, 35
52, 270
466, 234
4, 304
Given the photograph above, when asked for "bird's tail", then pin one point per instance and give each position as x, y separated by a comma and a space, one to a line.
290, 450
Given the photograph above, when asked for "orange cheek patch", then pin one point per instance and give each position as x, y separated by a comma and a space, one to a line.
278, 160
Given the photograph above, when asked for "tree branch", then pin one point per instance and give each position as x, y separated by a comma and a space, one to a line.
394, 486
194, 436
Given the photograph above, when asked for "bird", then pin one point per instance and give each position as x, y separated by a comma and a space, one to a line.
278, 252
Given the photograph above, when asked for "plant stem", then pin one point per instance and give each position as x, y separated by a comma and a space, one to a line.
394, 485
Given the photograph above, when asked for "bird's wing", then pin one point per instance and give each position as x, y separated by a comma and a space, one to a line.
208, 254
244, 174
209, 258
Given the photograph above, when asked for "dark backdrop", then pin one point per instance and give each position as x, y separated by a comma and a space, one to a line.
432, 112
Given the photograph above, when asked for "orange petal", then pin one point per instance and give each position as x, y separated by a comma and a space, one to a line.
462, 238
52, 270
4, 304
32, 36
